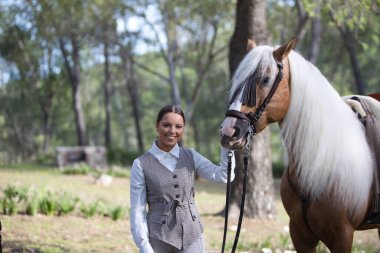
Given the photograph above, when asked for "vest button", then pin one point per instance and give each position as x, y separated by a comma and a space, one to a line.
175, 176
163, 222
194, 217
177, 196
176, 186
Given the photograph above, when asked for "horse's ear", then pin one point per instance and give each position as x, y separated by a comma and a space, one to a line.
251, 44
280, 53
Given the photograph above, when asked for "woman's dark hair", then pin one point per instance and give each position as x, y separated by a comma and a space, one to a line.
170, 108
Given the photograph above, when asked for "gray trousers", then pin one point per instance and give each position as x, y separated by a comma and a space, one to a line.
162, 247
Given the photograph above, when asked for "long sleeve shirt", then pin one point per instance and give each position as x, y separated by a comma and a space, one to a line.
204, 168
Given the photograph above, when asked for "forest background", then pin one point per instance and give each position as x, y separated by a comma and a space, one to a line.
96, 72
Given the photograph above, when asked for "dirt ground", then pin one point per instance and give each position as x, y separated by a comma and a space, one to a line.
49, 234
76, 234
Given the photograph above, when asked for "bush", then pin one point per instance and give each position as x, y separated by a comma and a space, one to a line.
66, 203
78, 169
9, 206
46, 159
117, 171
32, 206
118, 212
88, 210
11, 196
121, 156
48, 204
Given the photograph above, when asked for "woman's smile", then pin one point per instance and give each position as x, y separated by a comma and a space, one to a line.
170, 131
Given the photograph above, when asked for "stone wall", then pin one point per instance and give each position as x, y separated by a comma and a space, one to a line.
94, 156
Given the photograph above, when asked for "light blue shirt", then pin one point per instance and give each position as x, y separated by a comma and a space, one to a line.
204, 168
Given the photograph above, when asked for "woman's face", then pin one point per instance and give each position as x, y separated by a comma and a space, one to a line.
170, 130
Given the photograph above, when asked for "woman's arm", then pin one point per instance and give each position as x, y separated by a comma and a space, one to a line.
139, 227
209, 171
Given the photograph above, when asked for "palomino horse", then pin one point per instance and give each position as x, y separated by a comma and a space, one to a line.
327, 187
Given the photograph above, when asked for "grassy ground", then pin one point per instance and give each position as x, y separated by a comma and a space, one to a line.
74, 233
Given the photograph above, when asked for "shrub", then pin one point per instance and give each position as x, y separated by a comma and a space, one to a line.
46, 159
88, 210
11, 196
32, 206
118, 212
117, 171
121, 156
66, 203
48, 204
9, 206
77, 169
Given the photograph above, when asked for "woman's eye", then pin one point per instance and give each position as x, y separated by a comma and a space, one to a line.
179, 127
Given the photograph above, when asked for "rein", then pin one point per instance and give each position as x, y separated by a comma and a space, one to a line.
228, 193
251, 119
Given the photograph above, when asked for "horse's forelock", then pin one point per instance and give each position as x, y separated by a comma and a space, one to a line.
259, 60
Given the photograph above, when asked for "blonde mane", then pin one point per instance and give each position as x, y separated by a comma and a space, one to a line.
320, 132
325, 138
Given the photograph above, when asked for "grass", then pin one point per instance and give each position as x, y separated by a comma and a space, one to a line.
98, 234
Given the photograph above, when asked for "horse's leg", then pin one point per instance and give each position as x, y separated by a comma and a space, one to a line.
340, 241
303, 241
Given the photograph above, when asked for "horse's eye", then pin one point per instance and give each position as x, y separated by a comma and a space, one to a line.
266, 80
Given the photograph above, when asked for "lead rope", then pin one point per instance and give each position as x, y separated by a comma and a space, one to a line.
228, 193
1, 245
245, 180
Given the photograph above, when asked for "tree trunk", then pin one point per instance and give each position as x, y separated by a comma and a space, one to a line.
131, 85
349, 42
251, 24
171, 36
303, 17
316, 35
74, 77
107, 95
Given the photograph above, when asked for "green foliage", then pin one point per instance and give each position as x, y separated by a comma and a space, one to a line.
66, 203
9, 206
32, 206
48, 204
77, 169
118, 212
45, 159
12, 195
117, 171
88, 210
121, 156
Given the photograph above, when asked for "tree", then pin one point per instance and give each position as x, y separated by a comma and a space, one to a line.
69, 25
251, 24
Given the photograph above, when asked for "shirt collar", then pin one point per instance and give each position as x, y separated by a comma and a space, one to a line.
160, 154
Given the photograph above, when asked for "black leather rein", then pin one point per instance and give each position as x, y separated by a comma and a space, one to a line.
251, 120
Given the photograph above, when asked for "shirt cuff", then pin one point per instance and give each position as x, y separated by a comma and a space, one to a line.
146, 247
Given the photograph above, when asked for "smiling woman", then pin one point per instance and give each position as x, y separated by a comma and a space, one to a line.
163, 180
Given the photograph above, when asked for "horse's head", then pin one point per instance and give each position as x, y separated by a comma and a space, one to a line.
262, 76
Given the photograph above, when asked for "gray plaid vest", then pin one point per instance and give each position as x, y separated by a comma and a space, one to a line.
172, 215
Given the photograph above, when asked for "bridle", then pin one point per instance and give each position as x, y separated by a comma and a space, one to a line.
251, 119
249, 122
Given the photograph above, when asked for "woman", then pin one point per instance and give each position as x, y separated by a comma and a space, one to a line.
163, 179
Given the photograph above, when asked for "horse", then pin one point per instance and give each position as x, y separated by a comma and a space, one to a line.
327, 186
